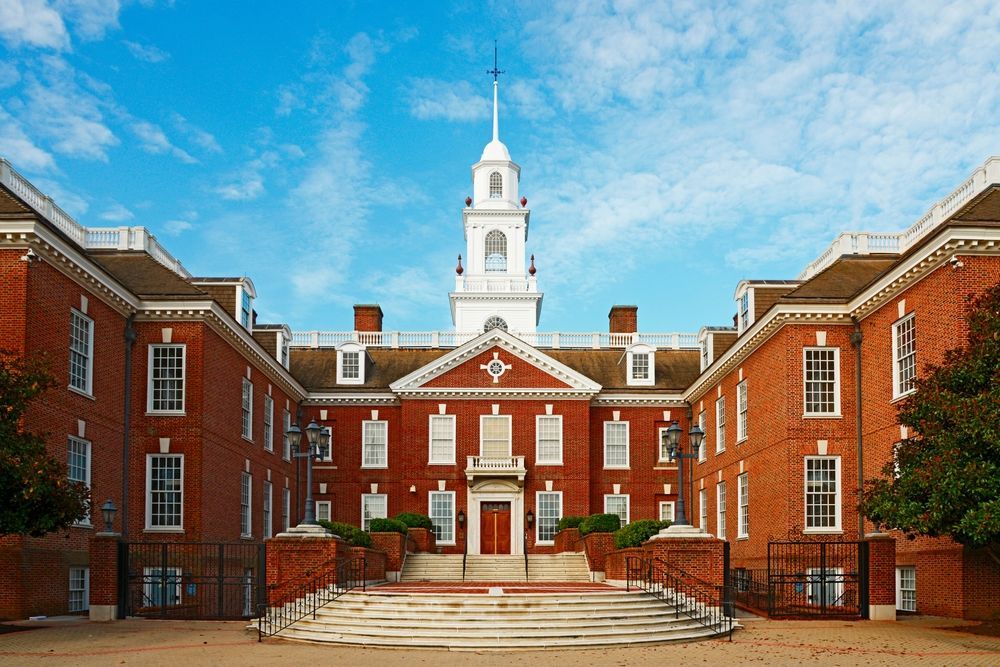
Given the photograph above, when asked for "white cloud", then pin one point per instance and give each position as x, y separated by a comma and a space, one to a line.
116, 213
146, 52
32, 23
8, 75
90, 19
177, 227
205, 140
456, 101
19, 148
248, 182
153, 140
68, 200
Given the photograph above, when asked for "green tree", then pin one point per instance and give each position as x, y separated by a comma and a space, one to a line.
35, 495
945, 480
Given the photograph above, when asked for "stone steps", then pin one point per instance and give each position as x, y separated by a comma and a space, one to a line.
541, 567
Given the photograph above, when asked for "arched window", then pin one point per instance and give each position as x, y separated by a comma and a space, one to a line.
496, 185
496, 251
495, 322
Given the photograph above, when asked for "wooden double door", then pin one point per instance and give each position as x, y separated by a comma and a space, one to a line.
494, 527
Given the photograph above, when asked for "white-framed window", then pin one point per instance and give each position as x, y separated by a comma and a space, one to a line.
268, 423
720, 508
246, 307
663, 456
352, 365
442, 440
323, 509
616, 443
496, 250
906, 588
548, 440
81, 352
617, 504
667, 510
641, 371
743, 500
494, 436
351, 358
706, 352
496, 185
549, 504
284, 347
247, 409
904, 356
165, 385
375, 444
325, 453
821, 381
495, 322
78, 466
246, 518
741, 412
286, 446
373, 506
744, 303
161, 586
720, 425
822, 493
164, 492
703, 510
266, 508
79, 589
286, 509
441, 509
826, 586
703, 449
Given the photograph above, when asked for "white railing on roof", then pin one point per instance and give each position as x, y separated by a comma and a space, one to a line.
865, 243
91, 238
449, 339
495, 284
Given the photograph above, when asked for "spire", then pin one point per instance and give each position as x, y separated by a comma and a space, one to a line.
496, 71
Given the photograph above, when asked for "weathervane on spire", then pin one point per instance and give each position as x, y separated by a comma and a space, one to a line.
496, 71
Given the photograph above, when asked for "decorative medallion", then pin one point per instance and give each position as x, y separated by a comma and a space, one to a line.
495, 368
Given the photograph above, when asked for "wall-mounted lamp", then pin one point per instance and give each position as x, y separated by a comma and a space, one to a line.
531, 518
461, 518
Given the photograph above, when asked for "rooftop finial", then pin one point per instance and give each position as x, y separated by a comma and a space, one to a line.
496, 71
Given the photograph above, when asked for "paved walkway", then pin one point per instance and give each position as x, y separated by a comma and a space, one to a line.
914, 641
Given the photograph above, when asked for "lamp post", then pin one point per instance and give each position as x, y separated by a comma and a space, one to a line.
108, 511
695, 438
318, 439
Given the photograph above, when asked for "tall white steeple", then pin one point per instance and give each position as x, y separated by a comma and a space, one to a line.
495, 288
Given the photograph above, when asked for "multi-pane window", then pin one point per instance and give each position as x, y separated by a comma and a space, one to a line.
617, 504
720, 505
323, 509
704, 354
664, 441
246, 529
615, 444
245, 308
822, 391
286, 509
266, 508
744, 310
640, 366
268, 423
442, 513
496, 251
548, 439
286, 423
549, 512
703, 509
741, 411
496, 185
904, 355
81, 352
162, 586
373, 506
703, 449
247, 408
495, 322
375, 444
494, 436
78, 465
720, 424
350, 365
822, 493
743, 518
442, 445
166, 378
667, 510
164, 491
79, 589
906, 588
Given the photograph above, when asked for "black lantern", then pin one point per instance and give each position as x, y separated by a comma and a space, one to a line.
531, 518
108, 511
461, 518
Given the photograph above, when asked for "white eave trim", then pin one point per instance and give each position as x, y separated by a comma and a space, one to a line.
639, 399
328, 398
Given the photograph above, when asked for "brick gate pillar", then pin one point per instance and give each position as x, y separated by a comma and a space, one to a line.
698, 553
294, 556
104, 577
881, 577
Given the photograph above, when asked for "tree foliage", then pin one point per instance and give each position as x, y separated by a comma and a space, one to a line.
35, 495
945, 479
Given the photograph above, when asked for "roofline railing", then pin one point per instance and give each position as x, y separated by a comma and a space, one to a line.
449, 339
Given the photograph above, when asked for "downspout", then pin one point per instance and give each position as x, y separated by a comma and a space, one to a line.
856, 338
127, 421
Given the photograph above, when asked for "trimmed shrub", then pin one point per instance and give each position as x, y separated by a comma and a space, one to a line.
414, 520
600, 523
354, 535
569, 522
637, 532
387, 526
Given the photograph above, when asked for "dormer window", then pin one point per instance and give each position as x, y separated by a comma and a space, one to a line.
496, 250
496, 185
705, 344
744, 306
351, 364
641, 370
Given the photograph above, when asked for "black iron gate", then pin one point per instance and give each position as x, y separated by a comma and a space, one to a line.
194, 580
809, 579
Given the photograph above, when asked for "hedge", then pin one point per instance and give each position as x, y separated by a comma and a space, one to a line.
414, 520
637, 532
600, 523
569, 522
352, 534
387, 526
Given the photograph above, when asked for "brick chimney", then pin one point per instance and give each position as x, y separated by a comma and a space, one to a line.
623, 319
367, 317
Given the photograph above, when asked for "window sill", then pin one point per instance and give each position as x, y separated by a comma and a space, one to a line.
441, 463
822, 415
164, 531
445, 544
617, 468
664, 467
720, 451
269, 451
822, 531
316, 466
740, 441
385, 467
81, 392
742, 538
544, 543
246, 537
539, 464
700, 461
166, 413
82, 524
249, 439
900, 397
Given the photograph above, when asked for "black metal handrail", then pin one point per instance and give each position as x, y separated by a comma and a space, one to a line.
525, 550
465, 554
310, 592
708, 604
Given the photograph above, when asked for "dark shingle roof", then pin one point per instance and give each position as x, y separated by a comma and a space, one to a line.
144, 276
840, 281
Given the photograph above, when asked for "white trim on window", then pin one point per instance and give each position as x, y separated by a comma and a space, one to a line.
744, 309
822, 495
267, 505
616, 498
78, 466
268, 423
544, 516
81, 352
166, 386
743, 506
351, 358
379, 509
703, 510
323, 510
374, 444
703, 449
247, 408
494, 450
663, 453
834, 585
616, 461
286, 446
641, 366
904, 356
443, 522
169, 497
286, 509
820, 391
741, 412
667, 511
720, 510
79, 589
906, 588
246, 504
552, 441
442, 439
720, 425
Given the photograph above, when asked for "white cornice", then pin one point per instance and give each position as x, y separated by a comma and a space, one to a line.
640, 399
326, 398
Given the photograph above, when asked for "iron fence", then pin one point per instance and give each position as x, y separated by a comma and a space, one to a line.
812, 578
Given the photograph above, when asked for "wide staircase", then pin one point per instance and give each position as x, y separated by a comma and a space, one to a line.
541, 567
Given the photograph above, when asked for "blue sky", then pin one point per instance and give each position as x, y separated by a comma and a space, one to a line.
668, 150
